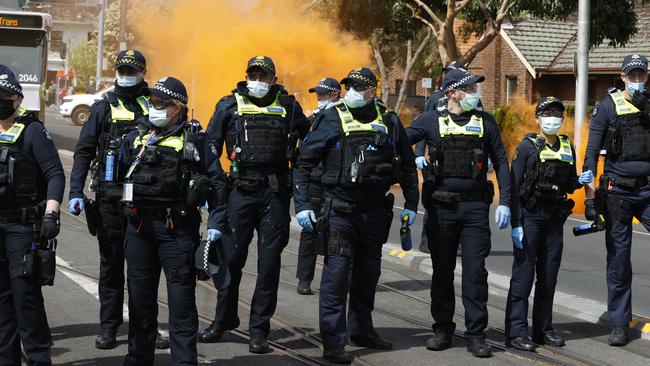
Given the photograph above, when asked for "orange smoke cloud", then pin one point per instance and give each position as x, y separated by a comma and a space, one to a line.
206, 44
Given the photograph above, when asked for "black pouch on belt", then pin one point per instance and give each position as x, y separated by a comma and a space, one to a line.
25, 267
198, 190
47, 263
92, 215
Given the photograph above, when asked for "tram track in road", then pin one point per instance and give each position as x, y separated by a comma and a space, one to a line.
275, 346
558, 356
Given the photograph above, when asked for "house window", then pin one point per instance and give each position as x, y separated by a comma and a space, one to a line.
411, 87
511, 88
56, 38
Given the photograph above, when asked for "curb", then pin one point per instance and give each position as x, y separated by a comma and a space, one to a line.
566, 304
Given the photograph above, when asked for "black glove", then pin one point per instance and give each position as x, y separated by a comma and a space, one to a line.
50, 226
590, 210
641, 100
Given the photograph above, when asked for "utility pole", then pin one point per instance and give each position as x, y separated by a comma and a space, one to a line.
123, 25
582, 72
100, 41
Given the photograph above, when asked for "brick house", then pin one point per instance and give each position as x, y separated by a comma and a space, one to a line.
534, 58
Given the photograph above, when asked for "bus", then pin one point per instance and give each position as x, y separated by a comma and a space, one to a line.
23, 48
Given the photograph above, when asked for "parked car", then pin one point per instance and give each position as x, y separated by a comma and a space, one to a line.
77, 106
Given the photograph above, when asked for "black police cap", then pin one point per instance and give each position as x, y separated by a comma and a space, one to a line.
131, 58
263, 63
546, 102
326, 86
453, 66
361, 76
170, 88
458, 78
8, 81
633, 62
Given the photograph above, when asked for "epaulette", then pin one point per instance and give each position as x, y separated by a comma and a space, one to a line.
612, 89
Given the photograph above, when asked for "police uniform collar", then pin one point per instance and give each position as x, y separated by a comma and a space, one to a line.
132, 92
365, 114
178, 126
276, 89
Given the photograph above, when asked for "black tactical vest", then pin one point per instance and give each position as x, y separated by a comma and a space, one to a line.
460, 152
628, 138
366, 153
22, 183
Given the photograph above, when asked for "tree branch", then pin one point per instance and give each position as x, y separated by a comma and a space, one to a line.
411, 60
461, 5
428, 10
424, 21
494, 26
381, 66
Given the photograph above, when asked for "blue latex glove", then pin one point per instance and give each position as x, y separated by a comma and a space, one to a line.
586, 177
502, 216
76, 206
421, 162
411, 215
518, 237
214, 234
305, 219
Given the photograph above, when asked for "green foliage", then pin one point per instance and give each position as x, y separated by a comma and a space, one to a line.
83, 60
613, 21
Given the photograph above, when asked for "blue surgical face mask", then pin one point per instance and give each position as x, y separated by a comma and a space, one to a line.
258, 89
470, 102
158, 117
354, 99
634, 87
550, 125
127, 81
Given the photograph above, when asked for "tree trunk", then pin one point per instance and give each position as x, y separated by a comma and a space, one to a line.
411, 59
383, 73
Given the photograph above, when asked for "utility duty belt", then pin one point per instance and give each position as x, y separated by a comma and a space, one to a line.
487, 195
622, 182
253, 185
23, 214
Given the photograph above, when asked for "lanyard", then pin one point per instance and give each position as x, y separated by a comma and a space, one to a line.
150, 141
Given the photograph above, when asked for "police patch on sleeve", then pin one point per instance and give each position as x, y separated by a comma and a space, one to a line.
514, 156
47, 134
593, 114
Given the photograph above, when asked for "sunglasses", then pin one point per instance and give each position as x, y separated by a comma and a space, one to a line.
162, 104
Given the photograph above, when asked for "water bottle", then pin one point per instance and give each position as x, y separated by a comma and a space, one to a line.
405, 234
110, 166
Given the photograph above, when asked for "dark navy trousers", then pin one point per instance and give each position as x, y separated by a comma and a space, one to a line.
111, 228
541, 256
149, 246
267, 212
622, 206
362, 233
22, 310
467, 224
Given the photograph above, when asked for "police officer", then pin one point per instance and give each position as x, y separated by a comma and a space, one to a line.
363, 150
437, 102
260, 124
110, 119
544, 172
328, 92
460, 142
170, 171
620, 125
31, 189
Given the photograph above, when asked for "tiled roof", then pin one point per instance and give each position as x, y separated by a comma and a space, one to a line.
606, 57
540, 41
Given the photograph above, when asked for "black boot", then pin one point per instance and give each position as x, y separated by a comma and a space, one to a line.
440, 340
371, 341
479, 348
619, 336
550, 339
214, 332
258, 344
340, 356
106, 339
162, 342
521, 343
304, 288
